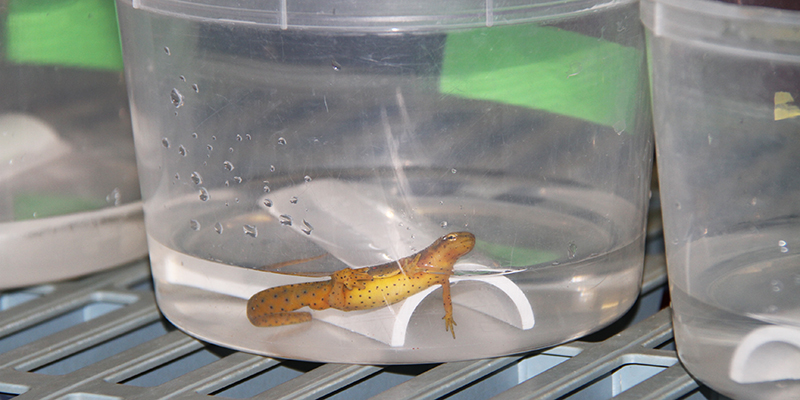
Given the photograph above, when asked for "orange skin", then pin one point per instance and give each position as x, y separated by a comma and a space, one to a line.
365, 288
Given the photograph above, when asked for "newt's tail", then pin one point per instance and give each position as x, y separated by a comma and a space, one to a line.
274, 306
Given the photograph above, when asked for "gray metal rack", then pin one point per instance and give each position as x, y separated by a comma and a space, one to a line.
102, 338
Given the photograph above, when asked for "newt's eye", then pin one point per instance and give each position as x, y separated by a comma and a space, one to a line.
451, 237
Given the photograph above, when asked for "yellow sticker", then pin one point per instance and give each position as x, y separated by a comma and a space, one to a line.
785, 107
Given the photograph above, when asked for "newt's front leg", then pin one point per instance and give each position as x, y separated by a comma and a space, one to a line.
449, 322
275, 306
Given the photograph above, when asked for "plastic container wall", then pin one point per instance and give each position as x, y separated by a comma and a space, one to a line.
491, 164
725, 84
69, 192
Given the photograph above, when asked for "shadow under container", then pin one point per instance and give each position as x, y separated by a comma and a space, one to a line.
293, 143
69, 192
726, 85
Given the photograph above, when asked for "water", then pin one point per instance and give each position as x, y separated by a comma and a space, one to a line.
737, 316
575, 268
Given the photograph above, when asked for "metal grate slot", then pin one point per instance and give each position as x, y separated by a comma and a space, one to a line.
15, 298
84, 313
178, 367
265, 380
106, 349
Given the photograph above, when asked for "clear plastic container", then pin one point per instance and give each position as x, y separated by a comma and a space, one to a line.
296, 142
726, 85
69, 191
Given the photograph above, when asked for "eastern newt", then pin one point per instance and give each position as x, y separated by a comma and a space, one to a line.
365, 288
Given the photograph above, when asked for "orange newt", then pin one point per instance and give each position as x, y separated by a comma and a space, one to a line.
365, 288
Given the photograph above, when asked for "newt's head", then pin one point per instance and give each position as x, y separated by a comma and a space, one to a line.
445, 251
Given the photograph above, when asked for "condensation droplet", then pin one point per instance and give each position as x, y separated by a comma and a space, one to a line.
196, 89
182, 150
285, 219
266, 189
238, 138
177, 176
293, 200
196, 178
575, 68
572, 251
268, 202
776, 285
194, 225
227, 165
218, 227
230, 149
556, 263
237, 179
281, 140
213, 137
176, 97
166, 50
210, 147
336, 66
165, 143
307, 228
250, 230
677, 205
443, 224
183, 78
247, 135
271, 168
227, 183
204, 194
754, 201
194, 135
307, 178
781, 243
784, 249
453, 171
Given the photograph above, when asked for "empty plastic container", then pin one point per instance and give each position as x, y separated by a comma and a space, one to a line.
726, 85
491, 159
69, 192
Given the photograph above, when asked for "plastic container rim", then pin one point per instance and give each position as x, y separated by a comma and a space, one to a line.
719, 11
279, 14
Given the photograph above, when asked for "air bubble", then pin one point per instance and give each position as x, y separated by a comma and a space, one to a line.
293, 200
230, 149
784, 249
271, 168
166, 50
227, 165
677, 205
443, 224
227, 183
183, 78
572, 251
237, 179
281, 141
619, 127
285, 219
782, 243
250, 230
307, 178
182, 150
218, 227
165, 143
177, 176
266, 187
210, 147
176, 97
194, 225
238, 138
196, 89
453, 171
336, 66
268, 202
247, 135
307, 228
204, 194
194, 135
213, 137
196, 178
